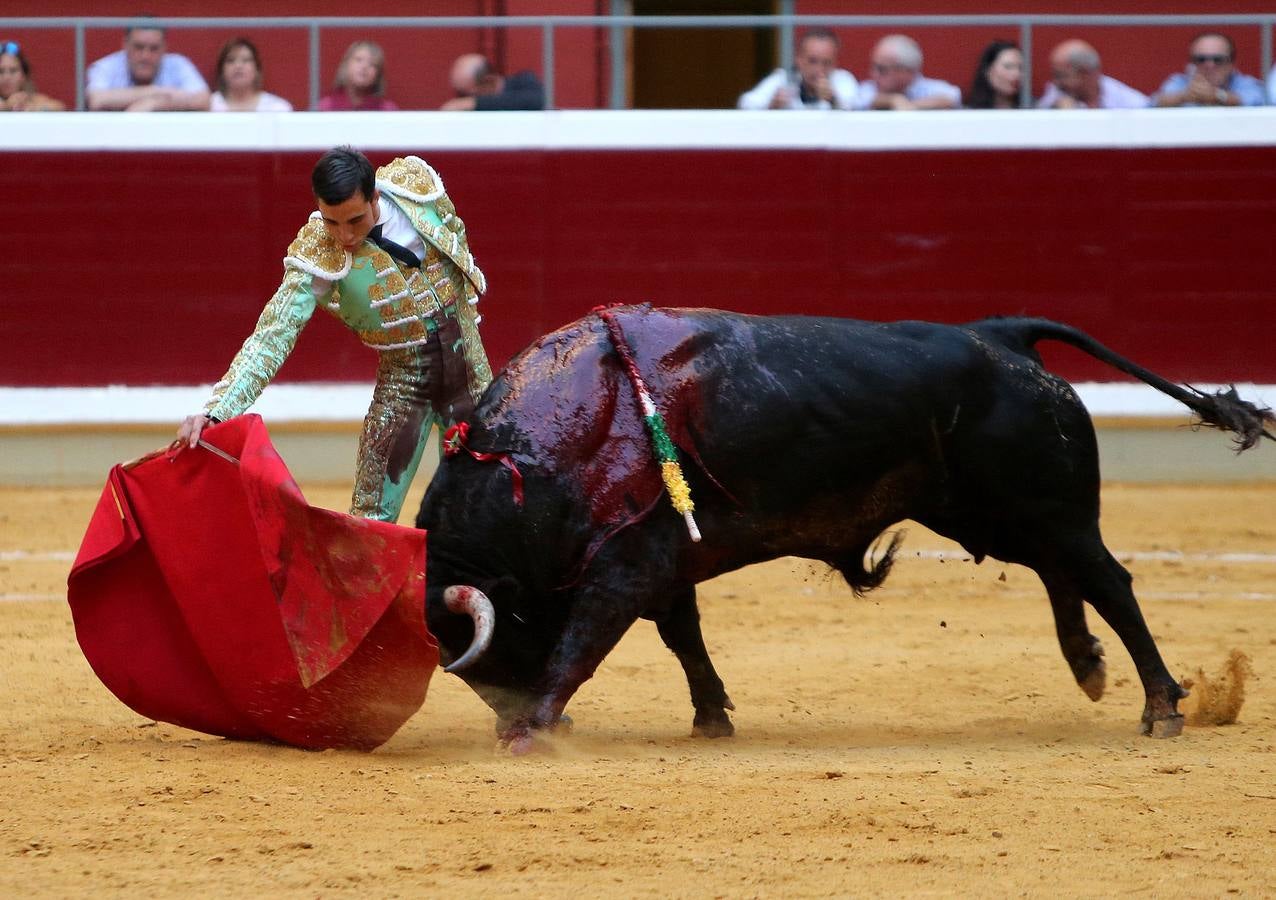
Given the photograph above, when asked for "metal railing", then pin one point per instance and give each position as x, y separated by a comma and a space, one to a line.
784, 25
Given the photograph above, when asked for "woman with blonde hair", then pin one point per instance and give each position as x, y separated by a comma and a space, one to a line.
360, 82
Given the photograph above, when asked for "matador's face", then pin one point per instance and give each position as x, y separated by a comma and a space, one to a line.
350, 220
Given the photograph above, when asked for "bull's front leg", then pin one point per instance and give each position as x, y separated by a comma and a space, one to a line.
599, 619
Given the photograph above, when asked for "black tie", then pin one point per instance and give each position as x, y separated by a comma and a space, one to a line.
398, 251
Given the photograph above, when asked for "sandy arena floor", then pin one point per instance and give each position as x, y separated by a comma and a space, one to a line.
925, 739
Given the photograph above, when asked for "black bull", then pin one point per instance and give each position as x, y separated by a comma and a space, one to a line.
799, 437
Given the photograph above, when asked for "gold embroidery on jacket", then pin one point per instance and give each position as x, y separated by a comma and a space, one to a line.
323, 252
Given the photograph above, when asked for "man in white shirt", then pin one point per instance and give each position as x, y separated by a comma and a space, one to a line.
898, 83
816, 83
143, 77
1078, 82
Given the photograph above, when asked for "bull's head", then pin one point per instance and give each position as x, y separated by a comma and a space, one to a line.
495, 640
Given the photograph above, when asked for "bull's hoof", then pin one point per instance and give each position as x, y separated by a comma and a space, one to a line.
1096, 681
520, 745
708, 725
521, 736
522, 740
1089, 669
1171, 726
505, 727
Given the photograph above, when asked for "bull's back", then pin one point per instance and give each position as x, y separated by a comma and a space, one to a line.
741, 393
808, 365
806, 408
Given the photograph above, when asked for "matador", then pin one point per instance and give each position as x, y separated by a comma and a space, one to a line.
386, 254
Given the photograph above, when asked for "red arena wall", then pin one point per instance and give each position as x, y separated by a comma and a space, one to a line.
148, 264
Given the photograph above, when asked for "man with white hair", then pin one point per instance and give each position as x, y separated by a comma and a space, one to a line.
898, 83
1078, 82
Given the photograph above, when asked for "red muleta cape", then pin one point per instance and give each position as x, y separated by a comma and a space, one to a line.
212, 596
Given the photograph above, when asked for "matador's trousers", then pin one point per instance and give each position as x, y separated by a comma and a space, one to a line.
416, 388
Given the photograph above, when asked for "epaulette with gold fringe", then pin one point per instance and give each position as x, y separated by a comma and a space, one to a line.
317, 252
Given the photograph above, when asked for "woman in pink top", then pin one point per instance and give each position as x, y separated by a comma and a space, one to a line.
238, 80
360, 83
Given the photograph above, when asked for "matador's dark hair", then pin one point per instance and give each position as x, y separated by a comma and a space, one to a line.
339, 173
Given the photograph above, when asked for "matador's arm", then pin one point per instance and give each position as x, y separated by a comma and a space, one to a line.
266, 348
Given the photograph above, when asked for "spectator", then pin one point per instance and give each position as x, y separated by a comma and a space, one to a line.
815, 83
480, 87
238, 81
998, 77
360, 82
17, 89
1210, 78
1079, 83
143, 76
898, 83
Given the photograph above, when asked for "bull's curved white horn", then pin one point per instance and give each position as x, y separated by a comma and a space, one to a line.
465, 600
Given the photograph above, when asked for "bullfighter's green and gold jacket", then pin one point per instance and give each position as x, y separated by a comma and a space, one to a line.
389, 307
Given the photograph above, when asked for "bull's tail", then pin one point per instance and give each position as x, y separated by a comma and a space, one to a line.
861, 578
1223, 409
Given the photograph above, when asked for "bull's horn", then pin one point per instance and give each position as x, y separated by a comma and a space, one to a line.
470, 601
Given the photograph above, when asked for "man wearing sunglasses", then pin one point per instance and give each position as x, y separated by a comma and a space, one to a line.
1211, 78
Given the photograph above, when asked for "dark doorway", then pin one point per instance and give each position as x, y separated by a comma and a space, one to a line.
699, 68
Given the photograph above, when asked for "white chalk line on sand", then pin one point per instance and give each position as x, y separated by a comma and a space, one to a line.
37, 556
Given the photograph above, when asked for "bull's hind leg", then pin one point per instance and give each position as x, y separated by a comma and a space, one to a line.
1107, 585
680, 630
1081, 649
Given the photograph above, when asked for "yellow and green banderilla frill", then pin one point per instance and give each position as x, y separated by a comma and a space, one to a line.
670, 471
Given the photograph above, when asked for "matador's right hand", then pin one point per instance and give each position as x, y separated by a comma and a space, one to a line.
189, 431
